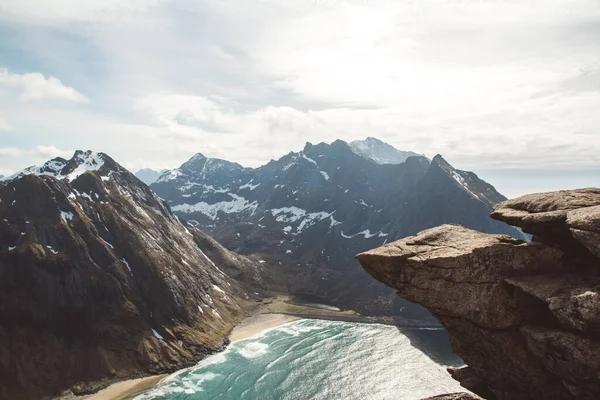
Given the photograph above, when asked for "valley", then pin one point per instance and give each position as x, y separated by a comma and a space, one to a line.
121, 283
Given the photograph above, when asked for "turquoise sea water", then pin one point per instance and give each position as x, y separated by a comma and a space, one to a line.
314, 359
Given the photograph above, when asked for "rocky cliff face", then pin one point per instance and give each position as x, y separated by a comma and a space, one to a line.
525, 317
308, 213
99, 280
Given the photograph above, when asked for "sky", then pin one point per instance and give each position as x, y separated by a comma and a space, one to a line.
508, 89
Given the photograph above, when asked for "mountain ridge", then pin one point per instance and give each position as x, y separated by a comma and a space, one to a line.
308, 213
380, 152
100, 281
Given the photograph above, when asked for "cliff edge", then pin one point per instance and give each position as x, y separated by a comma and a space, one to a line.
524, 316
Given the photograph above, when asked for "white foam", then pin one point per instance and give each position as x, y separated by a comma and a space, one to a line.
253, 350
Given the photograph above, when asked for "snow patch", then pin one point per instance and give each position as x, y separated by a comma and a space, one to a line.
309, 159
333, 222
157, 335
366, 233
89, 161
461, 182
295, 214
111, 246
52, 250
127, 265
237, 205
249, 185
68, 215
218, 289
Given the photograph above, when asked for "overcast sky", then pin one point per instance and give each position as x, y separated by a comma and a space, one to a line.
508, 89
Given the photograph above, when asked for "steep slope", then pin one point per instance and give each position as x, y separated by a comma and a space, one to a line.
446, 195
309, 212
148, 175
99, 280
525, 317
380, 152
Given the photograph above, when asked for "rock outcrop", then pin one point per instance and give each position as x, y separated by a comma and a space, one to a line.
525, 317
100, 281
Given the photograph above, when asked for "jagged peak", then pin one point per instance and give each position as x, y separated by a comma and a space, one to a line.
380, 152
198, 156
60, 168
439, 159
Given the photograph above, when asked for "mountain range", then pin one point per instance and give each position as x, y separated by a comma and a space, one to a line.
100, 281
306, 215
148, 175
380, 152
102, 278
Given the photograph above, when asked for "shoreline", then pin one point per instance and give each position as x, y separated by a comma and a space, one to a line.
121, 390
258, 323
271, 313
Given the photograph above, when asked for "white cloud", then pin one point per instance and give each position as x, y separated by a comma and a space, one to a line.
5, 125
10, 152
495, 84
52, 152
35, 87
69, 10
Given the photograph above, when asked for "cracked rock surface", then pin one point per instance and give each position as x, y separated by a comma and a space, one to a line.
524, 316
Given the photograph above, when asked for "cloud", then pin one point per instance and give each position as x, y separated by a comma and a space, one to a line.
498, 84
35, 87
72, 10
51, 152
10, 152
5, 125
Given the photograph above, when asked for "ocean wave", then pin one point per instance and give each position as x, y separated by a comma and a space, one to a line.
253, 350
314, 359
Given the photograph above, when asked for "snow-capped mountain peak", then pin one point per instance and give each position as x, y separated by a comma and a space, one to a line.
380, 152
80, 163
149, 175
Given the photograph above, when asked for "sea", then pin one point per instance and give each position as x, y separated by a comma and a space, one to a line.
317, 359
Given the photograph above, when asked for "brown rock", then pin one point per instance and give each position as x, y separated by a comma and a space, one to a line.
525, 317
573, 359
429, 269
557, 217
573, 299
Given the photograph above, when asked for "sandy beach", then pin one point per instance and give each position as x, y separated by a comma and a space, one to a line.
251, 326
257, 323
270, 314
125, 389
